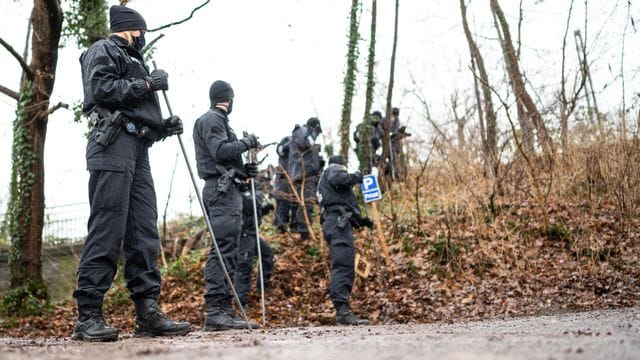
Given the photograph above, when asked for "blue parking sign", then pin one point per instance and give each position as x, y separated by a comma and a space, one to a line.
370, 190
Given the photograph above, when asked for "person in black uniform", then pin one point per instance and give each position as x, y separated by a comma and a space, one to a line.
340, 212
219, 163
304, 169
120, 96
376, 135
285, 205
248, 249
396, 134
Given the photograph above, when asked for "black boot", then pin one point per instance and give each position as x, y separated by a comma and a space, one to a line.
92, 327
151, 321
240, 319
220, 316
344, 316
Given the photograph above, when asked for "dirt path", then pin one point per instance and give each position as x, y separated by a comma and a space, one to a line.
613, 334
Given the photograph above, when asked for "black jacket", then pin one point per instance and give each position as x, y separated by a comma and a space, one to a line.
282, 187
216, 144
304, 156
283, 157
335, 189
376, 135
113, 78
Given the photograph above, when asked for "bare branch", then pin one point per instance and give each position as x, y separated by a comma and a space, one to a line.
183, 20
57, 106
15, 54
25, 53
10, 93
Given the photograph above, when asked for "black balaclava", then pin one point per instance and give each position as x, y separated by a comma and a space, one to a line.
314, 127
376, 116
219, 92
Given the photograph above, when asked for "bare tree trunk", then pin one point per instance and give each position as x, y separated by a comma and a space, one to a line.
567, 104
26, 205
489, 142
386, 139
517, 82
365, 150
349, 80
526, 128
460, 124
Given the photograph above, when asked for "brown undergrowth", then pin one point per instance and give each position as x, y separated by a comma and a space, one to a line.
475, 252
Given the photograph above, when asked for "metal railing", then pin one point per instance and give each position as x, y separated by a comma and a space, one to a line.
63, 224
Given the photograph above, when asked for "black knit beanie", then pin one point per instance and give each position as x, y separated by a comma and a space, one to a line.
337, 159
122, 18
220, 91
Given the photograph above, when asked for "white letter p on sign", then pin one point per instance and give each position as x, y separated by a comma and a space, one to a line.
368, 182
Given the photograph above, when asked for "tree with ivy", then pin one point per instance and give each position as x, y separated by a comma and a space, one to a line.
365, 151
349, 79
86, 23
25, 213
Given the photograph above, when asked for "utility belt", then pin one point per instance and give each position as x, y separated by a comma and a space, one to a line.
141, 131
344, 217
225, 178
107, 125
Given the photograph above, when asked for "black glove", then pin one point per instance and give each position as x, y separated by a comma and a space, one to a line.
322, 163
251, 169
356, 177
172, 126
366, 222
250, 141
159, 80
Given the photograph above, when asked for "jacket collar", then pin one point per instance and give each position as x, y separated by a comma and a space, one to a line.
121, 42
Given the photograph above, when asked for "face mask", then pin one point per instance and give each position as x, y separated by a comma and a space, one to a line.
139, 42
230, 107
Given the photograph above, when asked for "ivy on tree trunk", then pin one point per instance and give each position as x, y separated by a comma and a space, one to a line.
26, 204
365, 151
349, 80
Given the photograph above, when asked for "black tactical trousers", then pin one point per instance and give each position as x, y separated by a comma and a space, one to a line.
284, 213
246, 256
225, 213
342, 252
285, 203
308, 191
123, 215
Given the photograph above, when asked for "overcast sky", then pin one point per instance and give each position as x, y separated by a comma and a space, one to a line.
285, 60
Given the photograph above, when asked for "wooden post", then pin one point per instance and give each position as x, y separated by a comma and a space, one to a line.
380, 236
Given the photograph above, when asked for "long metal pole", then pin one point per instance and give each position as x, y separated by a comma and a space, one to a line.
258, 249
206, 218
260, 270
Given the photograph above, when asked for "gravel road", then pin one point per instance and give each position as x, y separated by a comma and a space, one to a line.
611, 334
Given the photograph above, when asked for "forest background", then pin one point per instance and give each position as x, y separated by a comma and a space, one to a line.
540, 216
